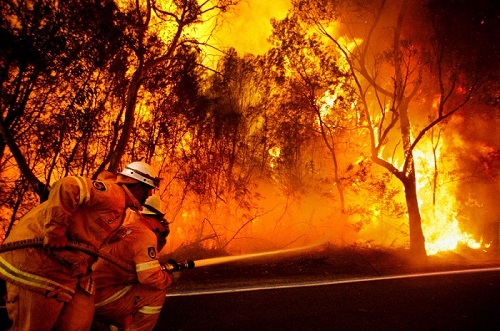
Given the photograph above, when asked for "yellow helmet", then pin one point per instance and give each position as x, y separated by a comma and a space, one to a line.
153, 206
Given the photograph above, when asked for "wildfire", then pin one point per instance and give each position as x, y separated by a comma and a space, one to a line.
438, 204
275, 154
446, 235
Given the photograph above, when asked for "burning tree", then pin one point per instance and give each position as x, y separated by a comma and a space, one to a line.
49, 54
157, 29
394, 69
316, 84
76, 75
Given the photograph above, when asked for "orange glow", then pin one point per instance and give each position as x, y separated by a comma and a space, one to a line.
252, 191
184, 144
284, 221
441, 228
247, 27
348, 45
275, 154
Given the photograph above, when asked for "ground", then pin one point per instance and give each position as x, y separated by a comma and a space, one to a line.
326, 262
323, 263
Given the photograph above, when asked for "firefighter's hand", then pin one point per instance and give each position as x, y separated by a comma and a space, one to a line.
55, 242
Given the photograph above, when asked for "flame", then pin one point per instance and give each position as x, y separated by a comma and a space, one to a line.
438, 203
184, 144
275, 154
446, 235
349, 45
327, 101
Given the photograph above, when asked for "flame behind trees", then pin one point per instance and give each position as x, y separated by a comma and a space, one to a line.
390, 82
265, 151
73, 74
148, 20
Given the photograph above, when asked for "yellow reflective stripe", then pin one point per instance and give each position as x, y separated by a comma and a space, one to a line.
150, 310
147, 265
90, 286
11, 272
114, 297
84, 189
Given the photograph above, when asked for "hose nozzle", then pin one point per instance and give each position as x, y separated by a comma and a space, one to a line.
173, 265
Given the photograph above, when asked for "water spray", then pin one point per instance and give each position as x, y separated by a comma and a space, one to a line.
226, 259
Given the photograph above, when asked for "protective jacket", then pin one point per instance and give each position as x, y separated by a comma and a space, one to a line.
121, 295
84, 210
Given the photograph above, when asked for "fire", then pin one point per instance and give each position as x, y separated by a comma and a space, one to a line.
348, 45
446, 235
252, 16
327, 102
275, 154
438, 203
184, 144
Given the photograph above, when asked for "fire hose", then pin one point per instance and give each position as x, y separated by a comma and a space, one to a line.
170, 266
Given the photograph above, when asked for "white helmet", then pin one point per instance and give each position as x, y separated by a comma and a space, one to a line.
153, 206
142, 172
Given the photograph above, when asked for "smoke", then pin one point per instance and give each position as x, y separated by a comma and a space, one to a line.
477, 147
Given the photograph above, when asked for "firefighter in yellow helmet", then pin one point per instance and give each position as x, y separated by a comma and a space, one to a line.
50, 287
134, 301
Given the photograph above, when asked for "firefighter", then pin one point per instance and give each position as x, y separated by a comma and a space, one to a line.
50, 287
134, 301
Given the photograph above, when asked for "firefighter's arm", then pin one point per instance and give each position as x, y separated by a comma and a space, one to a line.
151, 275
64, 198
147, 265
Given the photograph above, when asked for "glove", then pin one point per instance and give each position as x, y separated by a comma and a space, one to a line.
54, 242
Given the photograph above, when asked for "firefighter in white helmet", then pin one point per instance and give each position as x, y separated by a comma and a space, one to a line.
50, 287
133, 301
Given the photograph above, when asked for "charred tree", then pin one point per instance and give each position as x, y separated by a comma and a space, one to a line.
369, 79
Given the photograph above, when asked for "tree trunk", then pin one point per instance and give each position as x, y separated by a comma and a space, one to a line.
128, 122
417, 240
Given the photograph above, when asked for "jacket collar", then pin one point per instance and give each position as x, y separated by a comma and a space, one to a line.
130, 200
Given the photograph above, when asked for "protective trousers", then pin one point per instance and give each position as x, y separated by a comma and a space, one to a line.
32, 311
134, 308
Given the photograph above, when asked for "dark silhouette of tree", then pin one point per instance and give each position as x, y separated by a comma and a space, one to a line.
48, 53
145, 20
68, 96
45, 47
